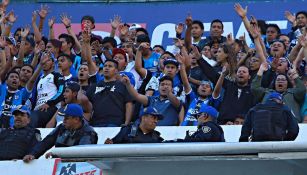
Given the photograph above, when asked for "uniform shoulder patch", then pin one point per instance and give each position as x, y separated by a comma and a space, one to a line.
206, 129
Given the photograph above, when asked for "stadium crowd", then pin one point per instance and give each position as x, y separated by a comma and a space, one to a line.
214, 79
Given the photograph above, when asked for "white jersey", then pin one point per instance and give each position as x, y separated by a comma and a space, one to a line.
47, 89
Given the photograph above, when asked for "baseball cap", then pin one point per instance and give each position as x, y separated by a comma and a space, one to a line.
151, 111
22, 109
119, 51
72, 110
73, 86
134, 26
171, 61
275, 95
211, 111
11, 40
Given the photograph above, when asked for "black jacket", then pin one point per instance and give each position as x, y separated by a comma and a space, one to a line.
269, 122
16, 143
61, 137
133, 134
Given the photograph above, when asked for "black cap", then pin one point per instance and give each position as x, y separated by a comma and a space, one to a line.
88, 17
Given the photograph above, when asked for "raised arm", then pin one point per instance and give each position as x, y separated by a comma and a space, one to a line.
138, 97
188, 37
242, 13
255, 32
67, 23
11, 19
86, 52
50, 24
24, 33
42, 16
37, 34
138, 60
30, 84
218, 87
183, 74
115, 24
256, 88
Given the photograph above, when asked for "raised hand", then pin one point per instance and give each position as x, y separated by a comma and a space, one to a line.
290, 17
230, 38
189, 20
43, 11
179, 28
123, 29
125, 80
196, 53
34, 16
11, 17
264, 66
96, 46
303, 40
292, 74
65, 20
240, 11
5, 3
254, 31
25, 31
179, 58
178, 42
225, 70
115, 22
2, 42
253, 21
143, 46
51, 21
86, 37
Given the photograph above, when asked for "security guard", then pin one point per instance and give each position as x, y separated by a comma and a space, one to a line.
270, 121
16, 142
73, 131
140, 133
207, 130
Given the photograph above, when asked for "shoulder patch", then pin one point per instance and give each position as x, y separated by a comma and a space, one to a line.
206, 129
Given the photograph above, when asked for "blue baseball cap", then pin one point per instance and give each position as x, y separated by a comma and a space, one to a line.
152, 111
211, 111
72, 110
275, 95
171, 61
22, 109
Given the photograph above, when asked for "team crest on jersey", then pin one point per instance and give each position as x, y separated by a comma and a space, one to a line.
206, 129
16, 97
99, 89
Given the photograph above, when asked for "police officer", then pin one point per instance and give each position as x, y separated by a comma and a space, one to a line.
73, 131
207, 130
16, 142
270, 121
144, 132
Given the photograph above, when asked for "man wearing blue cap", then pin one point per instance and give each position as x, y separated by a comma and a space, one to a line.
16, 142
73, 131
140, 133
207, 130
270, 121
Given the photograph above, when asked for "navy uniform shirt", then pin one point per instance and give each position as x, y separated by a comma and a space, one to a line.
133, 134
207, 132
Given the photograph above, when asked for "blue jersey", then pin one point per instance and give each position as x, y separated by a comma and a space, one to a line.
152, 62
19, 97
194, 106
